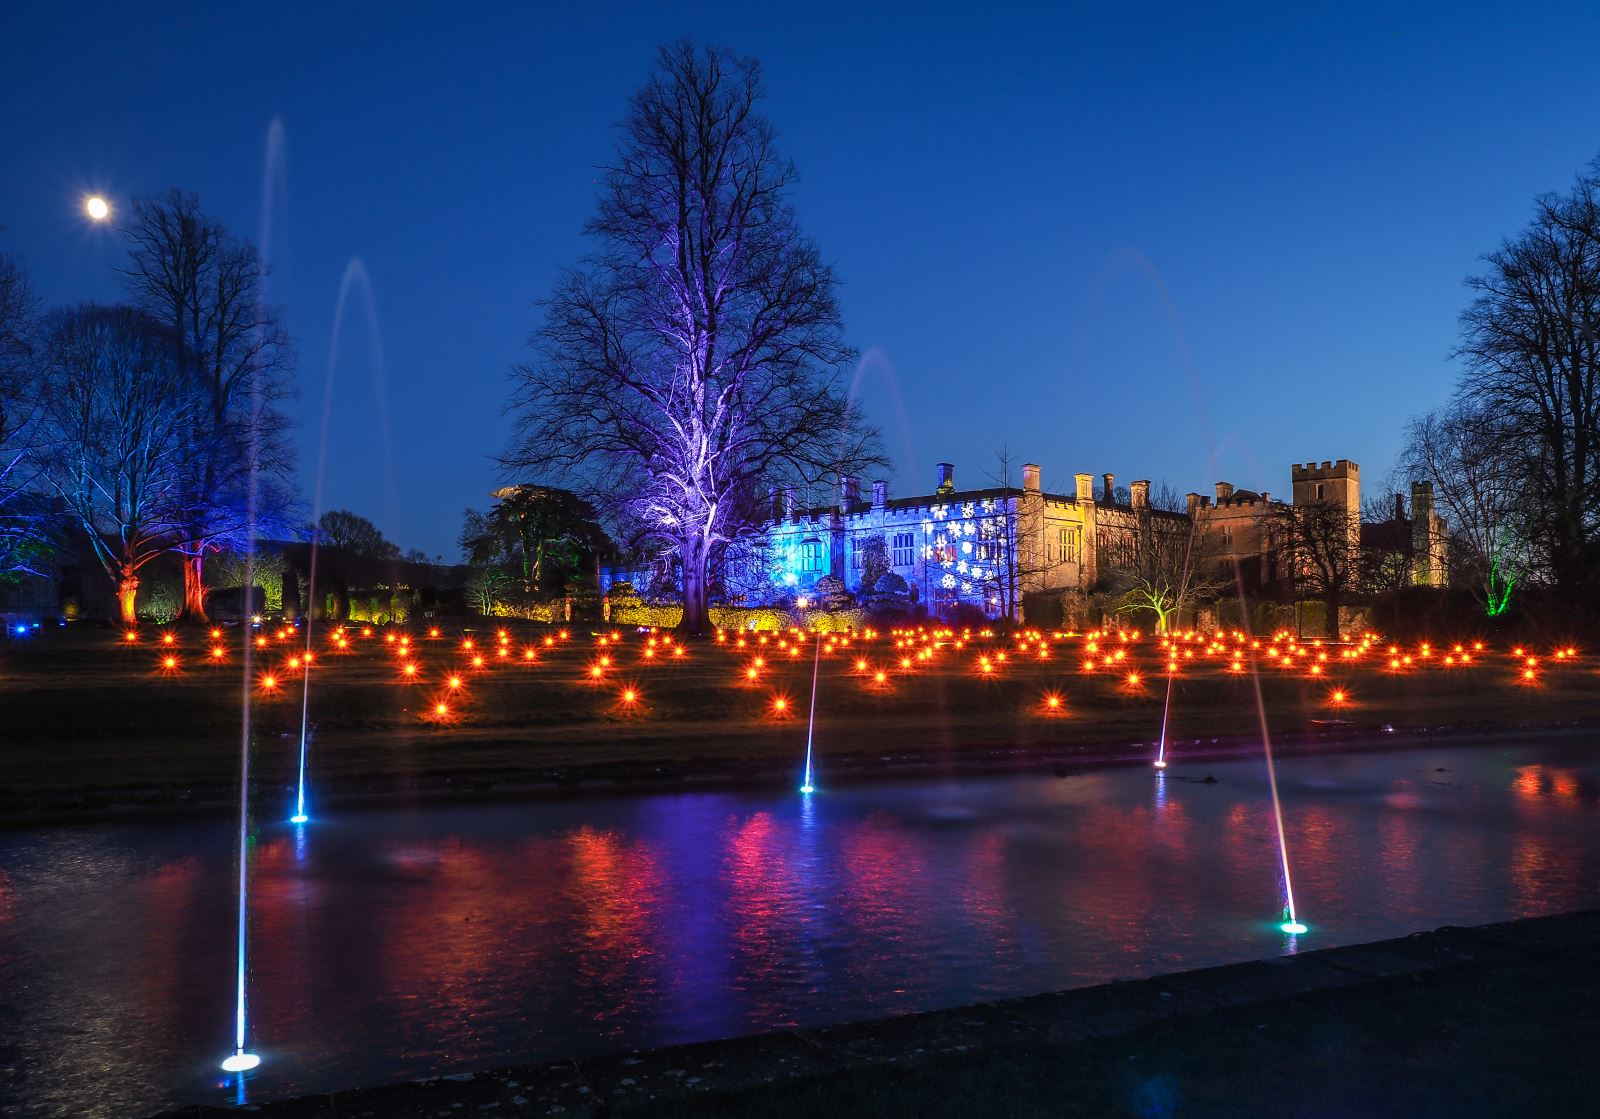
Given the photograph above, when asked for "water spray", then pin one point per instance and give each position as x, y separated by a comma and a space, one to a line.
811, 722
241, 1060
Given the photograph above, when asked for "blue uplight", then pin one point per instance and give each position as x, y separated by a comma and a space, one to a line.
240, 1061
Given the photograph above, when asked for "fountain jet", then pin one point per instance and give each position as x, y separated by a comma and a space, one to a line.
811, 722
242, 1060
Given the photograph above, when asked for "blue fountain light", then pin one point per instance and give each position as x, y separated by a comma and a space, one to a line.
1293, 927
240, 1061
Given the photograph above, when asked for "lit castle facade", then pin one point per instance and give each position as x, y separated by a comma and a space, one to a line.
989, 548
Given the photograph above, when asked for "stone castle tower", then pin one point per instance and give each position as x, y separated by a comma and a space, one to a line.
1336, 482
1333, 483
1428, 539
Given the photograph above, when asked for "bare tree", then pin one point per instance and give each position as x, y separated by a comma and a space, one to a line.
1174, 568
25, 524
696, 357
119, 403
485, 588
1320, 546
1471, 455
1384, 565
189, 272
1531, 344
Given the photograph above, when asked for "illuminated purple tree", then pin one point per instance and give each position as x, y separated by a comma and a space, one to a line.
695, 359
118, 404
25, 524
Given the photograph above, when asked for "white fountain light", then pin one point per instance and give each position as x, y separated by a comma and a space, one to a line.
241, 1062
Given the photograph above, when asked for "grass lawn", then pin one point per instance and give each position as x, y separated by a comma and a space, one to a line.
87, 713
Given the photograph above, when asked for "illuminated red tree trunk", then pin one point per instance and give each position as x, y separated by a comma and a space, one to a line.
194, 588
127, 597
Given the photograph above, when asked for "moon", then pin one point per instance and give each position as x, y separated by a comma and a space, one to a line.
97, 208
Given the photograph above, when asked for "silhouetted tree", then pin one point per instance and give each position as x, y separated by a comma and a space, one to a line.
1531, 344
1384, 564
1471, 455
354, 534
695, 358
540, 534
119, 402
189, 272
1174, 568
1319, 545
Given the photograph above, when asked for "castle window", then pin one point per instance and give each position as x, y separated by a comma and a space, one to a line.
1319, 491
904, 549
1227, 538
1067, 539
811, 555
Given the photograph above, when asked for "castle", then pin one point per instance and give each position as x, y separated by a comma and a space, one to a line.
989, 548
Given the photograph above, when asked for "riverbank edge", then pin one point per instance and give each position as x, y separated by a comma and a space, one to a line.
645, 777
599, 1085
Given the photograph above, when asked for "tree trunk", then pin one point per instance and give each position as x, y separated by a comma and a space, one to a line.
194, 589
291, 593
696, 611
127, 597
1330, 623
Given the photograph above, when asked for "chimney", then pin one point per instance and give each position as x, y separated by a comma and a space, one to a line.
1224, 491
944, 478
1192, 500
1109, 494
788, 503
1139, 494
1399, 507
1085, 486
1421, 500
1266, 498
775, 503
880, 494
1030, 477
849, 490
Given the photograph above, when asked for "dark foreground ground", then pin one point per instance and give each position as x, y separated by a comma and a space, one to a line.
1496, 1020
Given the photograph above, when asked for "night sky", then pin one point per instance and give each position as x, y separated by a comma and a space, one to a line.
1177, 244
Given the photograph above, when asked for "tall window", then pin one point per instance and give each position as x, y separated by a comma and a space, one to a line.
1227, 538
1067, 538
904, 549
811, 556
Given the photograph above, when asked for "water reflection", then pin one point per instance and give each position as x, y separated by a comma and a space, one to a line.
398, 944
